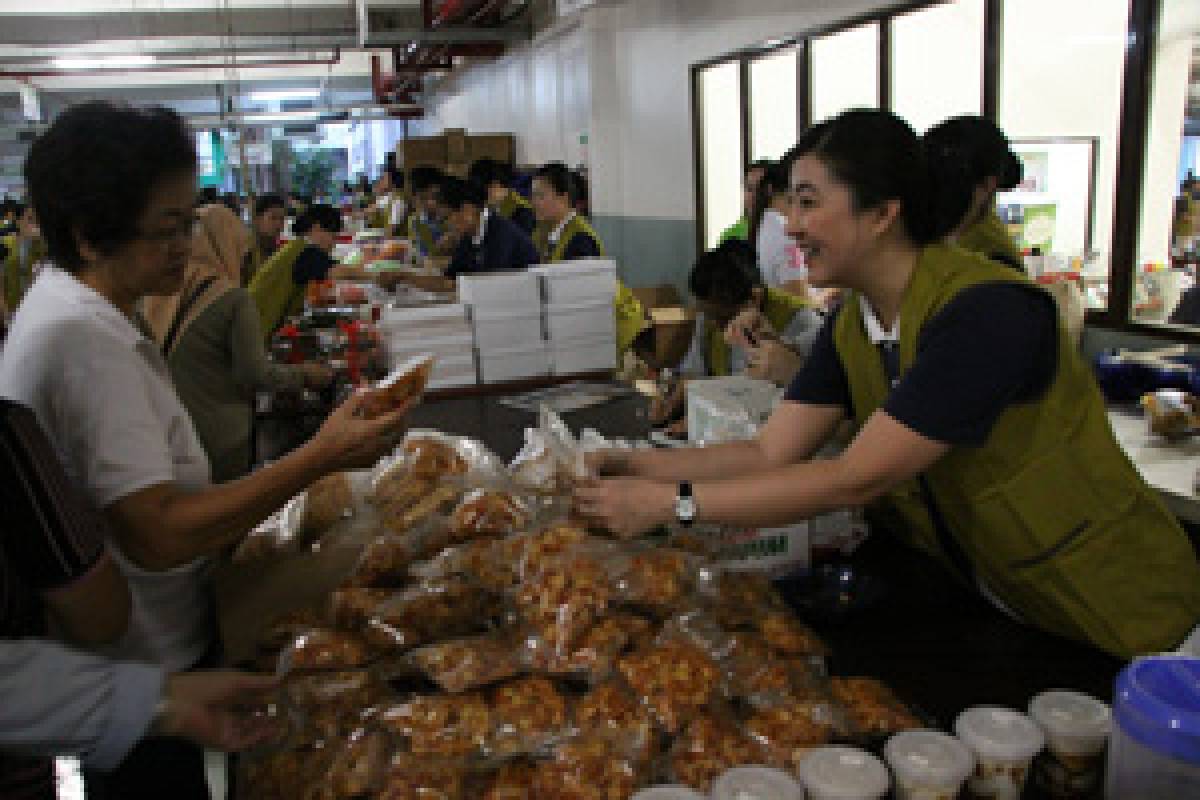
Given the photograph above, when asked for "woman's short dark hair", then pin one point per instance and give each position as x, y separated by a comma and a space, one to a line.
90, 174
454, 193
488, 172
426, 178
559, 178
878, 157
727, 275
963, 152
320, 215
268, 201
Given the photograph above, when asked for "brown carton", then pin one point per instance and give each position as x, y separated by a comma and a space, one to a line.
456, 145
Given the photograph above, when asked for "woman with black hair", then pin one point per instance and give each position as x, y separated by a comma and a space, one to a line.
487, 241
775, 250
971, 160
78, 355
278, 288
982, 438
266, 226
389, 208
497, 177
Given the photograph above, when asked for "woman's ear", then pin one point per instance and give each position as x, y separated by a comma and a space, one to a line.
87, 252
885, 216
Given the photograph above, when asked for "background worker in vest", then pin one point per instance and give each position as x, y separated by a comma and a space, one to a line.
487, 241
751, 175
270, 214
278, 288
562, 234
388, 208
971, 161
996, 460
19, 251
426, 224
497, 177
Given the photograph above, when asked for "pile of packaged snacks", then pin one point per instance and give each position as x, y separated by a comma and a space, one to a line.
485, 652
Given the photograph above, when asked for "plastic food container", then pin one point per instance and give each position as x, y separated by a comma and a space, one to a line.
843, 773
1155, 748
756, 783
928, 765
668, 793
1004, 743
1076, 727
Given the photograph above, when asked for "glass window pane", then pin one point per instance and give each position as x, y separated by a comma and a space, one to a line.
937, 63
845, 71
721, 148
1169, 230
1061, 77
773, 100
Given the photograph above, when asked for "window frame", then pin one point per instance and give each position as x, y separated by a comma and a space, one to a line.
1133, 122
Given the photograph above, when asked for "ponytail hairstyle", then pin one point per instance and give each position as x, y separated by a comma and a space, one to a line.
878, 157
326, 217
963, 152
774, 181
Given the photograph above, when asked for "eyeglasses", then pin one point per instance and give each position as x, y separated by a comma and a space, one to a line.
183, 230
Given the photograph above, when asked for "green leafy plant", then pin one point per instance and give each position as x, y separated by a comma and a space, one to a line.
313, 172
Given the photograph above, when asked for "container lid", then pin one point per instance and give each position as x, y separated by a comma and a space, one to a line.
1077, 723
929, 758
1158, 704
999, 733
566, 270
668, 793
844, 772
756, 783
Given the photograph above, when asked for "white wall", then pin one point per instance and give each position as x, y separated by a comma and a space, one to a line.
635, 86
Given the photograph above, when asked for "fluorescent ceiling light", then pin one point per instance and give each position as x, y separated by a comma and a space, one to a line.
103, 62
284, 94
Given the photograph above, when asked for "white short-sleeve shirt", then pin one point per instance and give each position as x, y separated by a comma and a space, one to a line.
102, 393
779, 261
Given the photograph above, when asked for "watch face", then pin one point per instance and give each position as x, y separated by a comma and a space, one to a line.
685, 508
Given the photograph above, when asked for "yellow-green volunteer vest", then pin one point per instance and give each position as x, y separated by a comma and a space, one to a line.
779, 308
630, 315
989, 237
1049, 510
511, 202
18, 272
273, 289
381, 218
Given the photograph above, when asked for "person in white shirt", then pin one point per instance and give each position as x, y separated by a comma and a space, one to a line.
78, 356
779, 261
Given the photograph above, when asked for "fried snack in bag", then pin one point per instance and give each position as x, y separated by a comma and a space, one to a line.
384, 562
709, 746
569, 594
534, 551
527, 715
594, 656
458, 665
456, 725
284, 774
351, 608
425, 611
741, 599
611, 711
487, 514
327, 502
484, 560
439, 500
357, 767
284, 630
675, 679
432, 456
659, 578
320, 649
787, 733
413, 776
348, 690
788, 635
588, 767
872, 707
513, 781
402, 384
394, 491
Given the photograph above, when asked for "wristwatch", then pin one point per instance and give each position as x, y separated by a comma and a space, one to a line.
685, 504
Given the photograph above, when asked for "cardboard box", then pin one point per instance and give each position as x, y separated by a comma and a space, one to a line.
421, 151
674, 327
458, 169
500, 146
657, 296
456, 145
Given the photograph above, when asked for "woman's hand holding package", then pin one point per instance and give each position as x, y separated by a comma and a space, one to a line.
751, 320
348, 440
626, 506
774, 361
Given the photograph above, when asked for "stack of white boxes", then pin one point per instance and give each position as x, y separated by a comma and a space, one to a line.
506, 316
444, 330
577, 309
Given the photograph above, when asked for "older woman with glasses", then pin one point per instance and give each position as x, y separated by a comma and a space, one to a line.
113, 190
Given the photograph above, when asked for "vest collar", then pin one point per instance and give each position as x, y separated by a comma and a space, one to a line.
875, 330
557, 233
477, 239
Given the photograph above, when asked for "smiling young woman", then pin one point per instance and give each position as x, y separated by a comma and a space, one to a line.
982, 438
